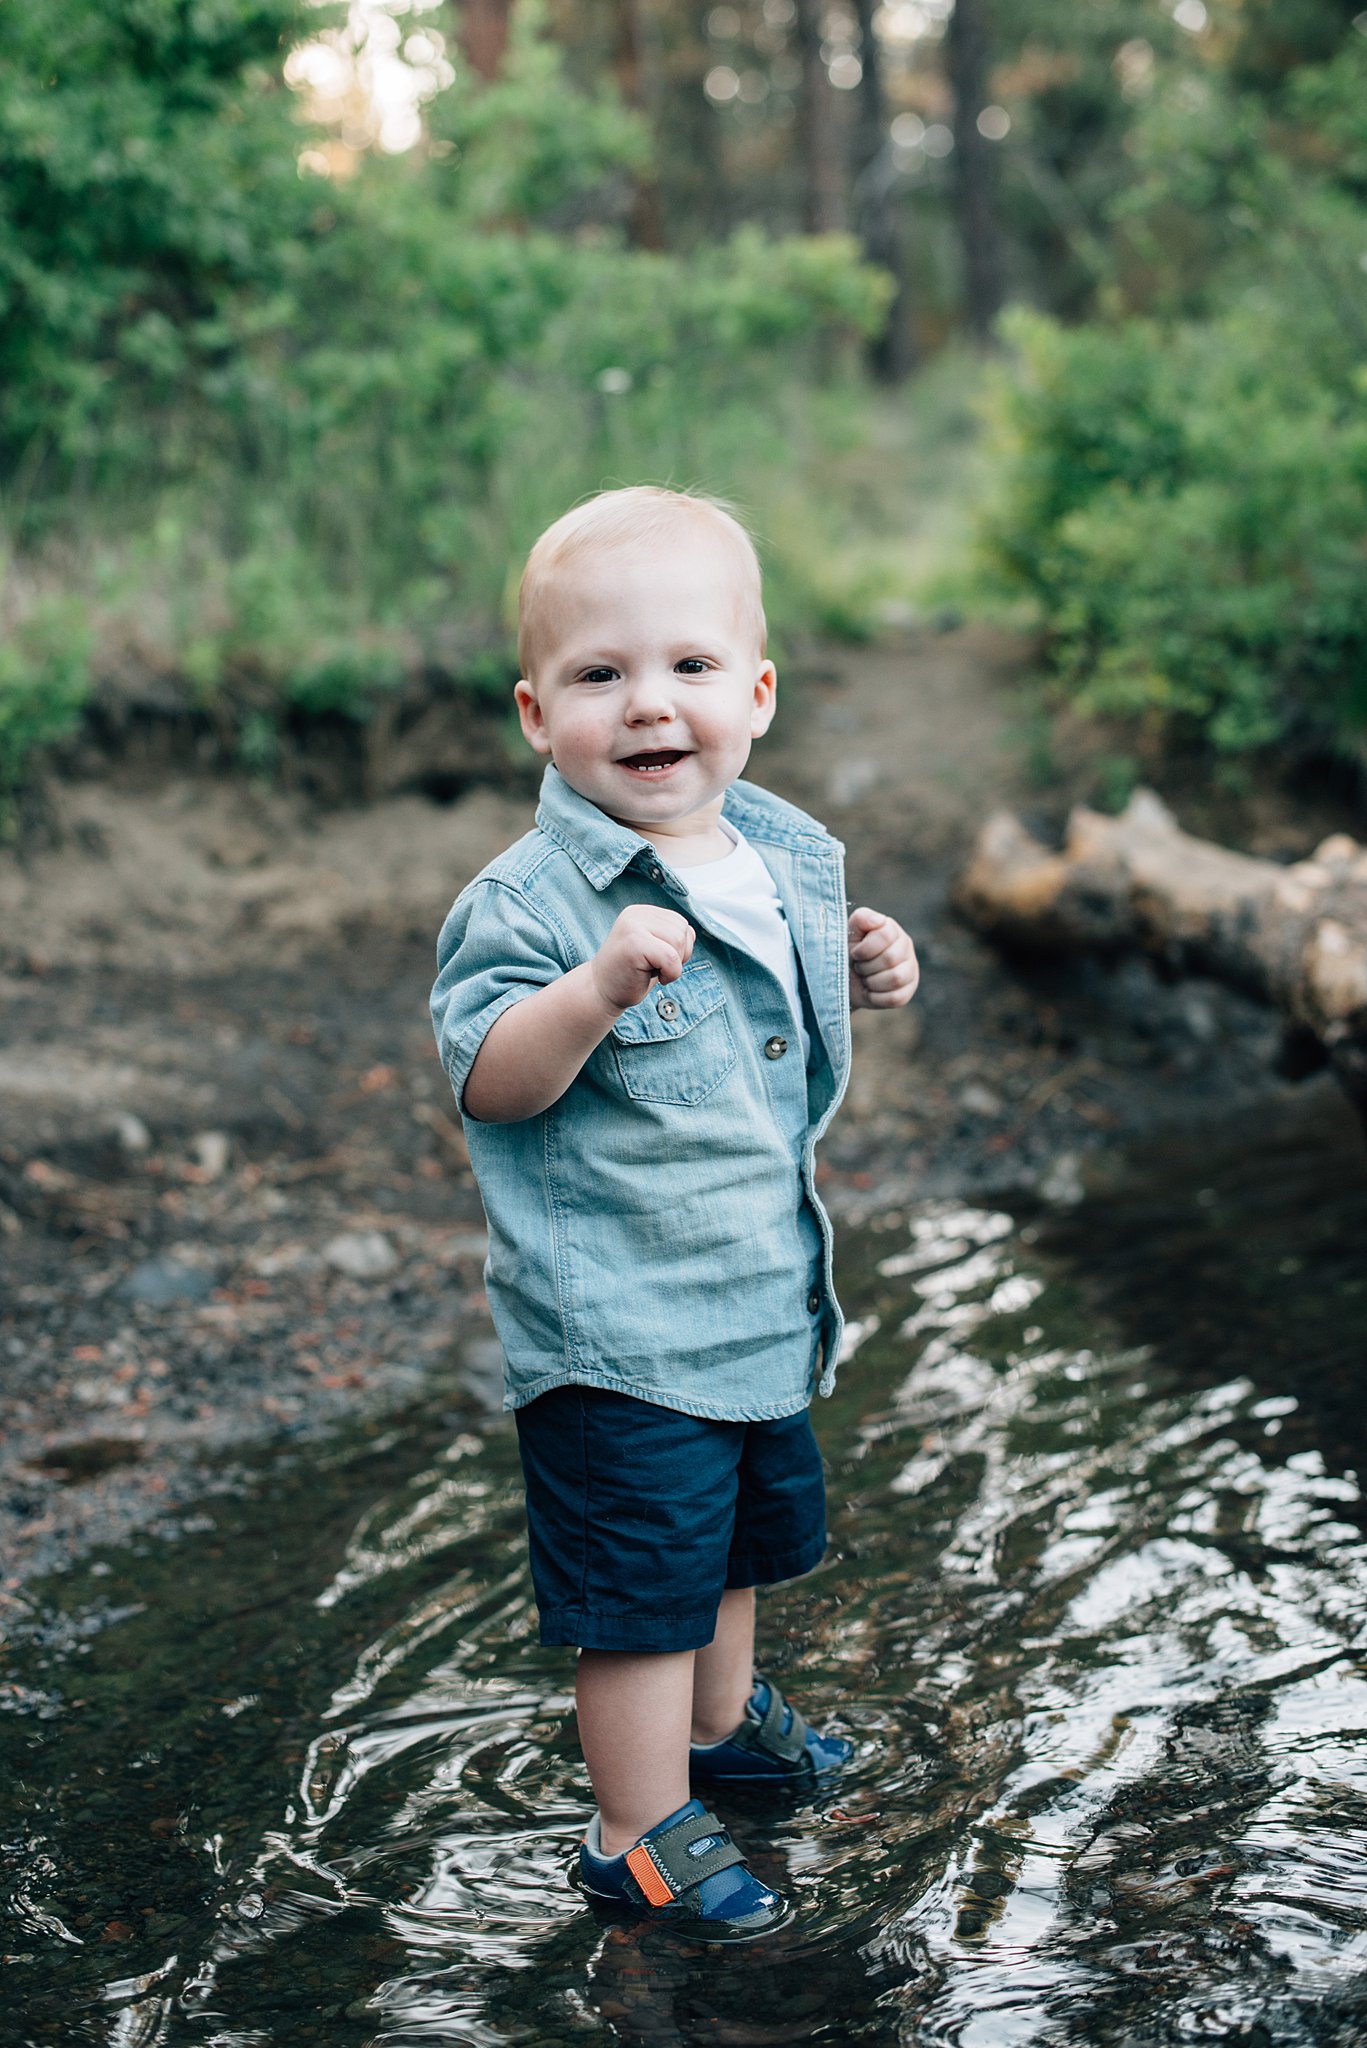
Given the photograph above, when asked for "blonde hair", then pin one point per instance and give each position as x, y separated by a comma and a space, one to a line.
642, 515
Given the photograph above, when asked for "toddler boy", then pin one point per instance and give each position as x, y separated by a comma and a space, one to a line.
643, 1009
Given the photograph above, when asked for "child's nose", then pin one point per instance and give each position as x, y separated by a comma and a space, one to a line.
649, 701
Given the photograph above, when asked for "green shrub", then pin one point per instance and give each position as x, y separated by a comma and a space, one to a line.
1193, 530
1183, 494
45, 681
284, 441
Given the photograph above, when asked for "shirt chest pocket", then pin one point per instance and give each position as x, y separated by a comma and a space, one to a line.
676, 1046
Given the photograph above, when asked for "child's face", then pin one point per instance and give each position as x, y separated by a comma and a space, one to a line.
649, 685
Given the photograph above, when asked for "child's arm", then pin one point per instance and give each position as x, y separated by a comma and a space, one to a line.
534, 1050
884, 969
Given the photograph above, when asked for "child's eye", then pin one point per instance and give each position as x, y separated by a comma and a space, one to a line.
693, 665
598, 675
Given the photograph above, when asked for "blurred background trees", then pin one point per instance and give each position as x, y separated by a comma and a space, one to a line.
311, 316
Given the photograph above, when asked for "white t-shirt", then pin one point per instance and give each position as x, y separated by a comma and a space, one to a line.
737, 894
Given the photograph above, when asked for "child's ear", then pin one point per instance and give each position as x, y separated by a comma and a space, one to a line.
529, 712
762, 706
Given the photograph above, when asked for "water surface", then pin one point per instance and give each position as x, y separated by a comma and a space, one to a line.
1094, 1613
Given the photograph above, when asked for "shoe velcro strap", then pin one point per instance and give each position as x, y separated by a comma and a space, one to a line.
665, 1867
789, 1745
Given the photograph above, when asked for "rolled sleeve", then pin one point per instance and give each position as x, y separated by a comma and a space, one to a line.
495, 948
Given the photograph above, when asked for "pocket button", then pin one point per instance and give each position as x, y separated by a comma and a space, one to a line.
667, 1008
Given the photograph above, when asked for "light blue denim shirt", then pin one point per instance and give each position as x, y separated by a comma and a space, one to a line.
657, 1230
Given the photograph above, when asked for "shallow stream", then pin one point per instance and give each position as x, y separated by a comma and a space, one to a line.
1095, 1612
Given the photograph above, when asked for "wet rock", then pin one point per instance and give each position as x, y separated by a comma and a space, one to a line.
157, 1283
88, 1457
361, 1254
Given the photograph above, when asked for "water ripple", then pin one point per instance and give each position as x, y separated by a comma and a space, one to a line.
1094, 1618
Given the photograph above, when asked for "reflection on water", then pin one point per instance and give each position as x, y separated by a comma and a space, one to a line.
1095, 1616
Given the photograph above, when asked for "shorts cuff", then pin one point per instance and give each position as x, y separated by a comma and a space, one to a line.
760, 1570
643, 1633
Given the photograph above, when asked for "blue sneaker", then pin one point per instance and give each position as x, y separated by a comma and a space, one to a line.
686, 1870
773, 1746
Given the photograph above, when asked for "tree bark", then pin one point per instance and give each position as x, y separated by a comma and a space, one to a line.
639, 89
968, 60
818, 139
891, 353
695, 195
1295, 937
484, 35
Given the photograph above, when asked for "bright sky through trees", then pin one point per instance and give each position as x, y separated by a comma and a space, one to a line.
369, 79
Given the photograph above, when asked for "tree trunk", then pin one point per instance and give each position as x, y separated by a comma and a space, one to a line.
689, 144
891, 353
484, 35
968, 58
1295, 937
639, 88
817, 138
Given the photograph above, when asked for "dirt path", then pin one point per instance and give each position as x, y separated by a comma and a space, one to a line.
234, 1202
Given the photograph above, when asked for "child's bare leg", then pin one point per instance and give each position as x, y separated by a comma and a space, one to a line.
633, 1729
723, 1673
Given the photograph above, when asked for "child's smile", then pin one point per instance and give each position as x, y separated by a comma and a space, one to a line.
654, 764
649, 685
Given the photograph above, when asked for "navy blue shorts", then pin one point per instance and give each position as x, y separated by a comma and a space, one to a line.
639, 1518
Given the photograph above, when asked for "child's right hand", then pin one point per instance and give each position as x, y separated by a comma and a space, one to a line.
647, 944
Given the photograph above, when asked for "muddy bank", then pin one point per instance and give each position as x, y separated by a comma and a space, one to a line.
234, 1202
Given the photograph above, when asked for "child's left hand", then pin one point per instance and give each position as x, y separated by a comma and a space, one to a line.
884, 969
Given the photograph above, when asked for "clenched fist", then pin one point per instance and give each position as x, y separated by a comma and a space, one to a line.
883, 966
646, 945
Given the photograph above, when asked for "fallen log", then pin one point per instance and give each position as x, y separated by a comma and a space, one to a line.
1295, 937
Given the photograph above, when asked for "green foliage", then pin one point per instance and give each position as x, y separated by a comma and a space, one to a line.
1183, 491
283, 438
45, 681
513, 154
1191, 526
148, 197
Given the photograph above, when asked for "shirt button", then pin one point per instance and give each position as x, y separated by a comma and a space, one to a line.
667, 1008
655, 874
813, 1301
774, 1048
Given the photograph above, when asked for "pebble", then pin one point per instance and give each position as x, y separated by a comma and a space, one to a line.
1198, 1017
1061, 1182
132, 1133
482, 1359
284, 1258
979, 1100
850, 780
211, 1150
158, 1282
361, 1254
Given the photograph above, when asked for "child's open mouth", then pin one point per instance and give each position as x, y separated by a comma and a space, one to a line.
654, 763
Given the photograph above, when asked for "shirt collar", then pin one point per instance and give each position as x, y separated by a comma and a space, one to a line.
597, 845
603, 850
